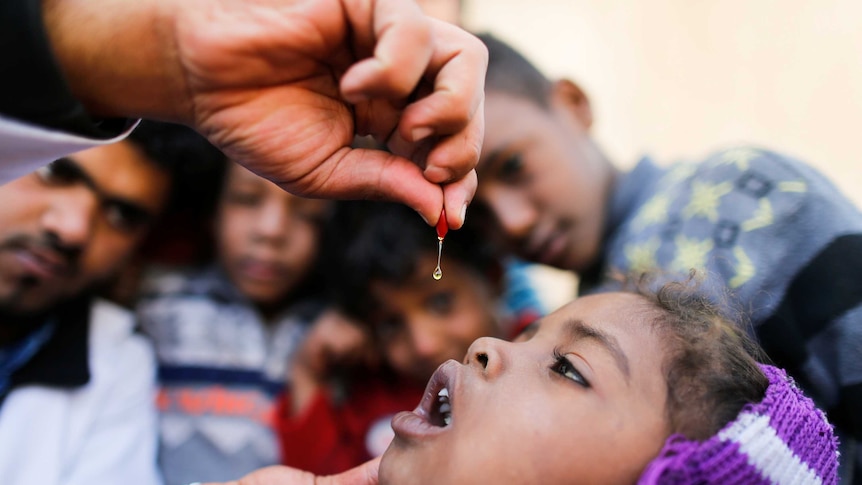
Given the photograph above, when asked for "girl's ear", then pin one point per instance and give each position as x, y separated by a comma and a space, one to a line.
573, 98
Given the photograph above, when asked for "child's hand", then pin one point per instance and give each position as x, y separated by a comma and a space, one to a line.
334, 341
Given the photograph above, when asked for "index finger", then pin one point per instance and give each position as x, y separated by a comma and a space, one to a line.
453, 111
457, 73
403, 44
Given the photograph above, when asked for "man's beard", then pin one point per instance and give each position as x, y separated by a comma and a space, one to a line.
10, 304
15, 324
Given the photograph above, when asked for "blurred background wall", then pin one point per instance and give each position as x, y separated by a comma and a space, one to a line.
677, 78
680, 78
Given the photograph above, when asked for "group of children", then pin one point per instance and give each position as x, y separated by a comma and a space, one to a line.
316, 324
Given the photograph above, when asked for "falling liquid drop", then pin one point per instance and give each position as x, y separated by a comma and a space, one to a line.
438, 273
442, 229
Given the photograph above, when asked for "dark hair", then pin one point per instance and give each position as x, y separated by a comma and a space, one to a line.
368, 241
196, 169
712, 369
511, 73
187, 156
169, 144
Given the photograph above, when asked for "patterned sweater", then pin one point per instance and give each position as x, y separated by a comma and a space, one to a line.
221, 368
775, 232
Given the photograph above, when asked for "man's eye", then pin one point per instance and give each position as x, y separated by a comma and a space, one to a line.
512, 168
60, 172
440, 303
565, 368
125, 218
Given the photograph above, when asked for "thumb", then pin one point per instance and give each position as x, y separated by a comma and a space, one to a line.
376, 174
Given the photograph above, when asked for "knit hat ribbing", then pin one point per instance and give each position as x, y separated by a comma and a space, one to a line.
784, 439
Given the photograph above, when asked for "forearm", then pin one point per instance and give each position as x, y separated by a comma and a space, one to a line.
34, 90
309, 440
304, 388
118, 56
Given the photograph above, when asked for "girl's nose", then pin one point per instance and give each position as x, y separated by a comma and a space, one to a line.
486, 354
273, 221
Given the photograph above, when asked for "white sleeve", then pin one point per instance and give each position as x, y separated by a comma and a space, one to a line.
118, 444
24, 147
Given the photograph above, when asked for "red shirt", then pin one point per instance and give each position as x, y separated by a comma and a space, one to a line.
328, 438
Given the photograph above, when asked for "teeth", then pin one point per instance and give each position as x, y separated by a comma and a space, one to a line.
444, 408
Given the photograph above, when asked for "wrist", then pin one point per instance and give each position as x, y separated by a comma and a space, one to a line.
304, 385
123, 64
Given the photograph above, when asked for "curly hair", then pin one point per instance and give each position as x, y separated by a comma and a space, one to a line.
712, 365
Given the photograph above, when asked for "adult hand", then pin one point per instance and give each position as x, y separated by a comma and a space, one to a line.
283, 86
365, 474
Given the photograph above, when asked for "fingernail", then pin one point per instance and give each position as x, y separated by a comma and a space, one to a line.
437, 175
421, 133
423, 218
355, 98
463, 213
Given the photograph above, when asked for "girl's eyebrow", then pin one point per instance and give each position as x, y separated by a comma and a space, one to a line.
577, 330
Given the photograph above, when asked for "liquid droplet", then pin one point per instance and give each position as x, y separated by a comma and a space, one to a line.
438, 273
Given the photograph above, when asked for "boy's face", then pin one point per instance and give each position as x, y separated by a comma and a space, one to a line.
543, 179
580, 398
424, 322
267, 238
71, 224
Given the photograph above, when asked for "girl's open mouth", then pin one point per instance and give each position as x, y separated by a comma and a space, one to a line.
434, 413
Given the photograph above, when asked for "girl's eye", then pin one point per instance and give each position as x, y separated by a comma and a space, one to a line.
310, 210
440, 303
564, 367
512, 168
242, 198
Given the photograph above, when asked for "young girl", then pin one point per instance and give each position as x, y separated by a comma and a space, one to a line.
224, 334
614, 388
381, 258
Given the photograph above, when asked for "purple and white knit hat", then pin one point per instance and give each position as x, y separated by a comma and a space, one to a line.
784, 439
